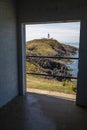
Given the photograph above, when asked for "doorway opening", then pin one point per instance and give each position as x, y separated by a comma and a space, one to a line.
52, 55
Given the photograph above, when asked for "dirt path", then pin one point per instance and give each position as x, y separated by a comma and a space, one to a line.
53, 93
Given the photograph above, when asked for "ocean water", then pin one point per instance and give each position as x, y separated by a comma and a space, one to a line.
75, 44
74, 65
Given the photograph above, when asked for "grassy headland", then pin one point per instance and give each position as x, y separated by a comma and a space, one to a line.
49, 47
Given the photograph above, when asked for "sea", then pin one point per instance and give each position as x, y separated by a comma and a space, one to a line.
74, 65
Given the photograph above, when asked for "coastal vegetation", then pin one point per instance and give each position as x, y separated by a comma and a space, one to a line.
38, 82
49, 66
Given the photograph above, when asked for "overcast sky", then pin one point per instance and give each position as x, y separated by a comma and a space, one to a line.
63, 32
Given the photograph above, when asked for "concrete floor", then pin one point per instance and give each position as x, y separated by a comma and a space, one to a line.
42, 112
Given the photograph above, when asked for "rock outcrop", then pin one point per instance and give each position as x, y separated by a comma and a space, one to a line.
45, 47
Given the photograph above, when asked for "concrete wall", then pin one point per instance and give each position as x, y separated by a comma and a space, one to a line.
50, 10
82, 82
58, 10
8, 52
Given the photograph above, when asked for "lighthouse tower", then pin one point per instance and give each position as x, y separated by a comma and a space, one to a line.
48, 36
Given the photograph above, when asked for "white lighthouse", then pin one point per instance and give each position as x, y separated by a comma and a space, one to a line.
48, 36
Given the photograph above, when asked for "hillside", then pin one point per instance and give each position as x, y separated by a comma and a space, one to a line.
48, 47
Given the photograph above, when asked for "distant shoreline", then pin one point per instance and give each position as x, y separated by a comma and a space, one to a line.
75, 44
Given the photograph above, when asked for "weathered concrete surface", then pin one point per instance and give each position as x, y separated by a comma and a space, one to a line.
37, 119
64, 113
41, 112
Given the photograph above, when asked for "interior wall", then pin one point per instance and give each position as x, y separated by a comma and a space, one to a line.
8, 52
60, 10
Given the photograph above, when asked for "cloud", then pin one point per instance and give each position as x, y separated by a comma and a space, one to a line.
60, 31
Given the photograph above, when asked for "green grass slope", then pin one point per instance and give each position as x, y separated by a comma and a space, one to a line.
48, 47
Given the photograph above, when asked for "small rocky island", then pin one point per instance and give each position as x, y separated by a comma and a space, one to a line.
49, 66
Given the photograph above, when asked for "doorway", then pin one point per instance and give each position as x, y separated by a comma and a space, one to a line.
52, 55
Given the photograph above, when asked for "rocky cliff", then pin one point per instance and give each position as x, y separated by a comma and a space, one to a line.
49, 47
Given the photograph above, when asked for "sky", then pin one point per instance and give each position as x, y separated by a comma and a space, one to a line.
63, 32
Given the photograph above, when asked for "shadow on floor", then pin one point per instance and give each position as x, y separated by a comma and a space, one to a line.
42, 112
